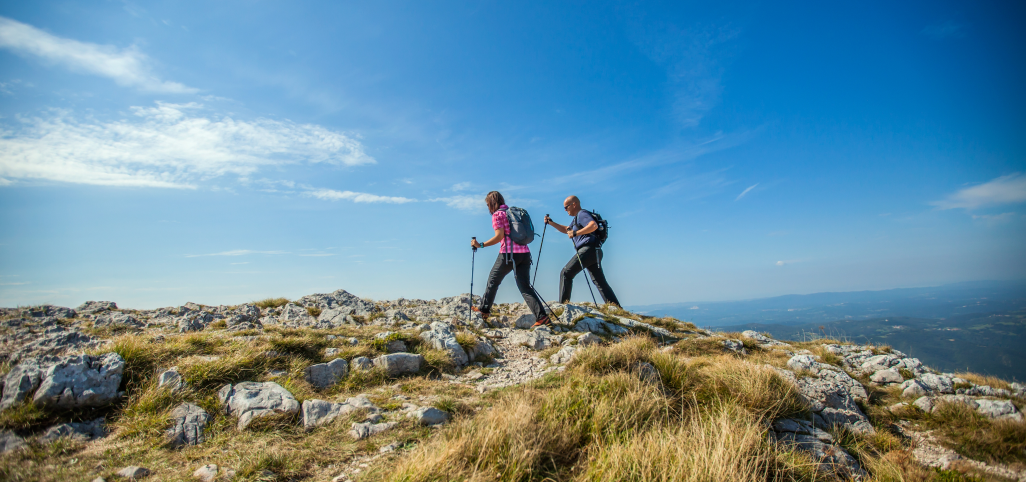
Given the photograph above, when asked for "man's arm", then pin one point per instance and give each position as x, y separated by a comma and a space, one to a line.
559, 227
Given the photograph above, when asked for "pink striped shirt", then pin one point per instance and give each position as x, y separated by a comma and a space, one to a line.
500, 220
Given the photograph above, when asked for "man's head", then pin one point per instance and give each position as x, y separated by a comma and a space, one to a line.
572, 205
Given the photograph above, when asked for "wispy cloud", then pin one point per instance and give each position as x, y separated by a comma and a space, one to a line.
746, 191
236, 252
460, 186
787, 262
356, 197
943, 30
463, 202
319, 255
1008, 189
128, 67
994, 219
694, 57
169, 146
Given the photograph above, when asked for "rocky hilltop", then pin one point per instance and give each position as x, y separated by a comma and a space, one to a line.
336, 387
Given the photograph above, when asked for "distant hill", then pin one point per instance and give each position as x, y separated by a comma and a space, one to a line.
990, 343
939, 302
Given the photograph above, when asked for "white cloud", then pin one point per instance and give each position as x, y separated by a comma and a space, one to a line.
992, 219
786, 262
128, 67
1008, 189
236, 252
170, 145
356, 197
463, 202
460, 186
739, 196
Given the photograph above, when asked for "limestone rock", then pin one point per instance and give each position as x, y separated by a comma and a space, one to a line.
442, 337
832, 395
23, 379
564, 355
890, 375
362, 363
998, 409
735, 346
133, 472
914, 388
588, 339
83, 431
429, 416
661, 333
361, 431
171, 379
937, 383
320, 412
524, 322
80, 381
115, 319
803, 436
9, 441
572, 312
206, 473
323, 375
292, 314
535, 340
51, 311
599, 327
482, 351
190, 421
762, 339
194, 322
396, 364
248, 400
90, 307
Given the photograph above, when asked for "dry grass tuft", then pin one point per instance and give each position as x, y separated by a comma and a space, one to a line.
271, 302
978, 437
977, 379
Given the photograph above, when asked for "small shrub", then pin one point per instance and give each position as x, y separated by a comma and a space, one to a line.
218, 325
695, 347
437, 361
466, 340
271, 302
978, 379
906, 373
381, 344
313, 311
25, 415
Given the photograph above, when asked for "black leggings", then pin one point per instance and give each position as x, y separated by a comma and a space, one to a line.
503, 265
592, 259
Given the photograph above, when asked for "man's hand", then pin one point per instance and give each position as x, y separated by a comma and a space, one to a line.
547, 219
570, 233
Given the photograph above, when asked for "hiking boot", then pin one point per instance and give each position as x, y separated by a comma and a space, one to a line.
544, 320
484, 314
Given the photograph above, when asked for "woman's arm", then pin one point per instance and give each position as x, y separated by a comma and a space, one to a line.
499, 234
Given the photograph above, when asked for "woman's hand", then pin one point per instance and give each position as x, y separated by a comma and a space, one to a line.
475, 244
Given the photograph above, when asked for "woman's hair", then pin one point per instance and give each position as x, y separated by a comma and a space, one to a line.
494, 200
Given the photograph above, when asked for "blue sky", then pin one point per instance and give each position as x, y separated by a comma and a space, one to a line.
158, 153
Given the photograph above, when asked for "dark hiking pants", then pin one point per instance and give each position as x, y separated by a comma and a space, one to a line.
591, 257
503, 265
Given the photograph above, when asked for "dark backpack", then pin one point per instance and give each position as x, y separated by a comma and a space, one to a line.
521, 229
602, 233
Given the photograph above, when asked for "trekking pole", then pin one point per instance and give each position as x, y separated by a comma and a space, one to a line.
542, 245
470, 302
585, 276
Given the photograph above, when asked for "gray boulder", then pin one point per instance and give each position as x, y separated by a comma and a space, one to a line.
429, 416
832, 395
81, 381
890, 375
195, 321
396, 364
115, 319
805, 437
524, 322
937, 383
82, 431
998, 409
482, 350
442, 337
324, 375
763, 340
913, 389
249, 400
599, 327
735, 346
23, 379
660, 333
51, 310
362, 363
90, 307
879, 362
293, 314
564, 355
133, 472
334, 317
190, 421
588, 339
572, 312
9, 441
171, 379
320, 412
55, 343
361, 431
535, 340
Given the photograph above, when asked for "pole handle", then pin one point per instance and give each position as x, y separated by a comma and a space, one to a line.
473, 238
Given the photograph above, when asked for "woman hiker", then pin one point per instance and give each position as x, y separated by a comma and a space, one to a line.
512, 256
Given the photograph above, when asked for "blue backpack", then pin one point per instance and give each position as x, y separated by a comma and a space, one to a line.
521, 229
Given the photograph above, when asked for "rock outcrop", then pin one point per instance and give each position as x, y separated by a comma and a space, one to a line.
249, 400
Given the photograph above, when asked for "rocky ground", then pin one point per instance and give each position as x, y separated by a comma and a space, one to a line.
179, 388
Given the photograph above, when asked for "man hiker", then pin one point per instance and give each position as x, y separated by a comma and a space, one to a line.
589, 252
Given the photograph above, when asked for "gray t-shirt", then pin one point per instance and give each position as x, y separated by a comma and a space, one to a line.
580, 221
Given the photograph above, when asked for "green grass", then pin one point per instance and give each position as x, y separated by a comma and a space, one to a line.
271, 303
978, 437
